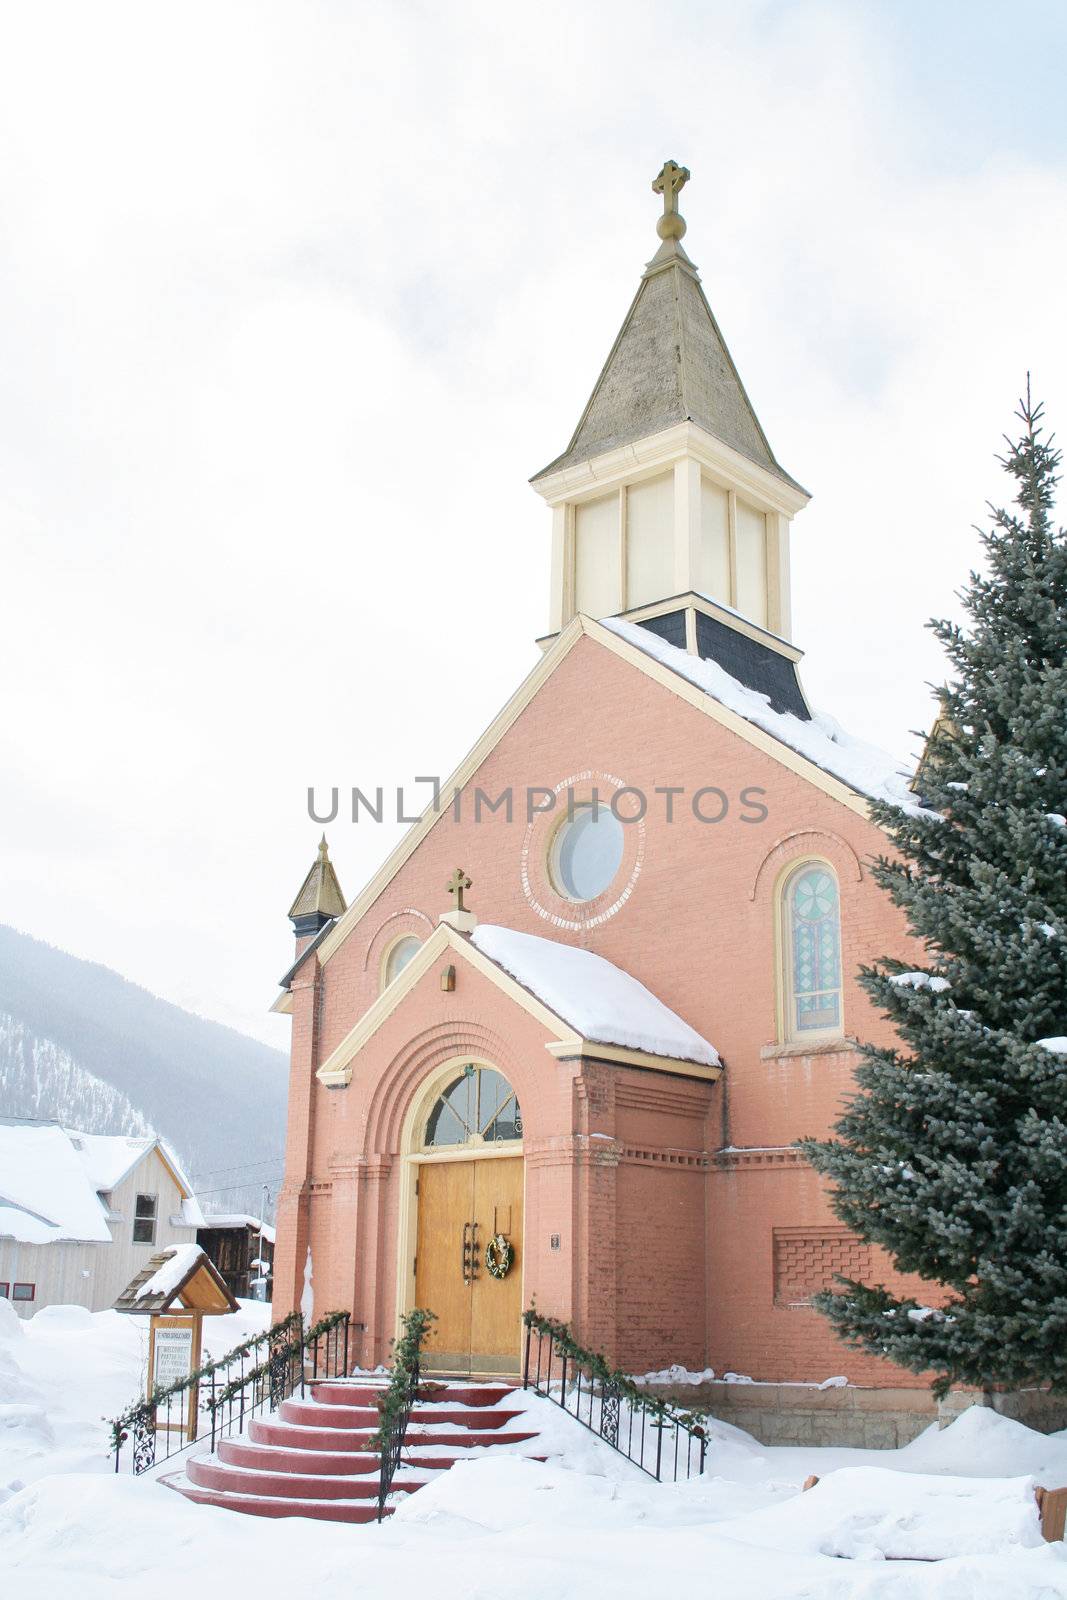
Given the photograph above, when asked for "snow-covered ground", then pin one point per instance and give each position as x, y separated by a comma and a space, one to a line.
583, 1522
66, 1371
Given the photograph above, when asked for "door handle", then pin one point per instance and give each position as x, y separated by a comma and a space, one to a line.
468, 1252
475, 1260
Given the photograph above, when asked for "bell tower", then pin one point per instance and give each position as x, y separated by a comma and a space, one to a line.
668, 503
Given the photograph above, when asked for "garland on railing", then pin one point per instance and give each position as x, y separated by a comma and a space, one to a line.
597, 1367
288, 1351
142, 1409
397, 1394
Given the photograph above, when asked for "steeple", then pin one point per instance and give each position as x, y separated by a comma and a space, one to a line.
669, 486
320, 898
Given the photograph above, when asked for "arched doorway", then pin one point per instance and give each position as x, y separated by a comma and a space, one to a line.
465, 1144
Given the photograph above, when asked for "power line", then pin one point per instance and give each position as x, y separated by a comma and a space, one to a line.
202, 1194
242, 1166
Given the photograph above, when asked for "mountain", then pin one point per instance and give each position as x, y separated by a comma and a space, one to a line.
81, 1043
39, 1080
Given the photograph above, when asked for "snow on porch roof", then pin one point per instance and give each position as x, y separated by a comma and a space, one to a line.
599, 1000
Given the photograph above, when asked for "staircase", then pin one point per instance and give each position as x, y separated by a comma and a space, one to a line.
312, 1458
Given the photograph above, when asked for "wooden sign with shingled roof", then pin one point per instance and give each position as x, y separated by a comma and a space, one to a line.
181, 1278
176, 1290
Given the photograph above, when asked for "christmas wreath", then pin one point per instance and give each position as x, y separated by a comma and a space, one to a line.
498, 1256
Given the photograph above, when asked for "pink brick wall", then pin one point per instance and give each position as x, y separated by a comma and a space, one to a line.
667, 1253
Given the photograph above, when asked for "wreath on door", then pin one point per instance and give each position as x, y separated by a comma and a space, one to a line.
499, 1255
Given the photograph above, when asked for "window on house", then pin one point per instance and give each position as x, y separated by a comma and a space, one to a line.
5, 1291
144, 1219
811, 924
22, 1291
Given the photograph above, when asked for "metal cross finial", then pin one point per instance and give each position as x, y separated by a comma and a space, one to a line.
456, 885
671, 179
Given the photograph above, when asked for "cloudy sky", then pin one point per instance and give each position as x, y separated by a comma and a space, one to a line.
295, 297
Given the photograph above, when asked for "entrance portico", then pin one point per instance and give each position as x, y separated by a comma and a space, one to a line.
462, 1109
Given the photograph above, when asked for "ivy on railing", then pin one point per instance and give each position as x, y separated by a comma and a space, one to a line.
596, 1365
281, 1352
288, 1347
397, 1399
607, 1392
398, 1392
163, 1392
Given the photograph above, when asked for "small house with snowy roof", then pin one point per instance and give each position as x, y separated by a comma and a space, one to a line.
81, 1213
644, 991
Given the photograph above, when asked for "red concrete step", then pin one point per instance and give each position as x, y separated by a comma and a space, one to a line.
270, 1458
366, 1394
295, 1437
315, 1414
254, 1506
313, 1458
207, 1473
276, 1458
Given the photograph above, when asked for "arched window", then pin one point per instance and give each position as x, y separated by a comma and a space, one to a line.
478, 1107
811, 952
398, 956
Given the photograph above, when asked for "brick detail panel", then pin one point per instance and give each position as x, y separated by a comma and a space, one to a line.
806, 1261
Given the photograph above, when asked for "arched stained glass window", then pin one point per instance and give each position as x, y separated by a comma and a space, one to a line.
478, 1107
812, 925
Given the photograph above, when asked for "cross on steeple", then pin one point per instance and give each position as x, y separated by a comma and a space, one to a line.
670, 180
456, 885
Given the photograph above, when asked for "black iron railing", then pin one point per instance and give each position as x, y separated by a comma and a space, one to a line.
669, 1445
398, 1400
221, 1396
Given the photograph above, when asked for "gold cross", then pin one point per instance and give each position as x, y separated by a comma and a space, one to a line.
456, 885
671, 179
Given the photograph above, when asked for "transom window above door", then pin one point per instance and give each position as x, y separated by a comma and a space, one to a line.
478, 1107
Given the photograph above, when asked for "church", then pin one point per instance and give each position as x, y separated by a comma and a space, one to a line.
559, 1050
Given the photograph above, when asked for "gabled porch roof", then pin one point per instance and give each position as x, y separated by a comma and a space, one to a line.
589, 1006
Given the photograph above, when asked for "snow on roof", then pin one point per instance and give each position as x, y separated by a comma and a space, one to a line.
596, 998
108, 1157
864, 767
181, 1260
45, 1191
237, 1219
190, 1215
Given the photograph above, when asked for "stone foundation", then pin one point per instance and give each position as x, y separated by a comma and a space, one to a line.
867, 1418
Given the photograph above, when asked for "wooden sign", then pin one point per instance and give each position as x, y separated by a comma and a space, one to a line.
173, 1354
174, 1346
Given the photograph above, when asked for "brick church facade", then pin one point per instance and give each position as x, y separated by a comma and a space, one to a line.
599, 1060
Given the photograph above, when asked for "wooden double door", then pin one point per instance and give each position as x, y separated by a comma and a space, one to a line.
461, 1206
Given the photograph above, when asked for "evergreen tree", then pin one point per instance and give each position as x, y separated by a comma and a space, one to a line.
953, 1152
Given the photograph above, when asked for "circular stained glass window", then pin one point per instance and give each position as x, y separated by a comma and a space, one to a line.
587, 852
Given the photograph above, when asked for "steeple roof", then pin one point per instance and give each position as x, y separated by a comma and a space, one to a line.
669, 363
320, 893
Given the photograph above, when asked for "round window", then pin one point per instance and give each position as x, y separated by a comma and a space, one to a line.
587, 852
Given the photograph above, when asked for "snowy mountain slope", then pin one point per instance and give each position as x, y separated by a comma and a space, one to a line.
39, 1079
81, 1043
